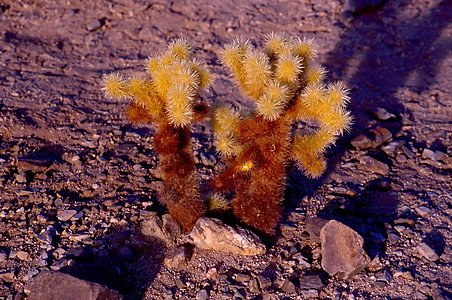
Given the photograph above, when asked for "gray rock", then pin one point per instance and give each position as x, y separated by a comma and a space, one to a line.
308, 282
213, 234
170, 227
93, 25
427, 252
47, 235
264, 282
381, 113
371, 164
7, 276
66, 215
423, 211
342, 252
3, 257
393, 238
253, 286
56, 285
202, 295
428, 154
307, 294
288, 287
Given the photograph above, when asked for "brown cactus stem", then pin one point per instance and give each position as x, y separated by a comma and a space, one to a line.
181, 194
258, 173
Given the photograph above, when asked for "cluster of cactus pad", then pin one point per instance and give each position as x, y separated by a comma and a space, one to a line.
286, 87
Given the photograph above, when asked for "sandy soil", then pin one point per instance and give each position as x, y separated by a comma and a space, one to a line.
63, 145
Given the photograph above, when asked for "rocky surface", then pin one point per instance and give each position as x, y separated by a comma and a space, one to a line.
78, 182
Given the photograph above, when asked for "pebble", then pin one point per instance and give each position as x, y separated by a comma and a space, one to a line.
7, 276
22, 255
310, 294
66, 215
93, 25
428, 154
309, 282
3, 257
177, 257
289, 287
382, 114
264, 282
423, 211
202, 295
427, 252
393, 238
371, 164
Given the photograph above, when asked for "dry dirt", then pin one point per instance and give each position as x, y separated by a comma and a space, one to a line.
63, 145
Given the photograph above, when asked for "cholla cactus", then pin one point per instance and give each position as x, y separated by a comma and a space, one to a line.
168, 98
286, 86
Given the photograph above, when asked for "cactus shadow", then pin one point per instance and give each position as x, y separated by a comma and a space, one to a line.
123, 260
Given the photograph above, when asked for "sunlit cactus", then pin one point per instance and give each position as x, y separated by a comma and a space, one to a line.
168, 97
286, 86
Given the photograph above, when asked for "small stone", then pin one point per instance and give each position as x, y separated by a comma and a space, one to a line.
393, 238
385, 276
289, 287
310, 294
371, 164
22, 255
242, 278
152, 229
423, 211
253, 286
302, 263
213, 234
93, 25
428, 154
408, 152
308, 282
3, 257
47, 235
177, 257
264, 282
380, 284
202, 295
427, 252
77, 216
361, 142
66, 215
342, 252
407, 290
380, 136
56, 285
7, 276
403, 274
211, 273
400, 158
382, 114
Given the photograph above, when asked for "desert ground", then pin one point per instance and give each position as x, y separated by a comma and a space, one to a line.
68, 150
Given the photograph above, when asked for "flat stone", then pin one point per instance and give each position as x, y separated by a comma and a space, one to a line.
66, 215
3, 257
439, 155
361, 142
427, 252
440, 294
428, 154
56, 285
212, 234
264, 282
342, 252
7, 276
393, 238
307, 294
423, 211
47, 235
382, 114
93, 25
371, 164
288, 287
308, 282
